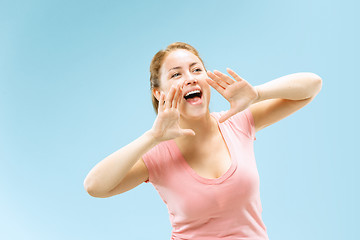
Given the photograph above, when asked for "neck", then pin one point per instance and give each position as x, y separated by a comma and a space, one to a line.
204, 128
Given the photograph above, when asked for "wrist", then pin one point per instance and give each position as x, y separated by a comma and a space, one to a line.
259, 95
152, 136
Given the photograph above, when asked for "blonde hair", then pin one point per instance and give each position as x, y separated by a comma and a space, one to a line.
157, 62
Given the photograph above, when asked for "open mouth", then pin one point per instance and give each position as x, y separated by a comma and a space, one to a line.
193, 97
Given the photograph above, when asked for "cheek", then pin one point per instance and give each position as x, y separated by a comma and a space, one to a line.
207, 89
165, 88
165, 85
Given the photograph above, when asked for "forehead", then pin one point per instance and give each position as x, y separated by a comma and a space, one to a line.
179, 58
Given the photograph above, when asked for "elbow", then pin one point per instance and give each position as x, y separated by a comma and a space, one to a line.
317, 79
91, 189
310, 76
315, 83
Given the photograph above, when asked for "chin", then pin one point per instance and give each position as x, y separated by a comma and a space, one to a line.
194, 113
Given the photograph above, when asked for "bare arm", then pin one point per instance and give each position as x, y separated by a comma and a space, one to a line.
283, 97
110, 172
286, 94
296, 86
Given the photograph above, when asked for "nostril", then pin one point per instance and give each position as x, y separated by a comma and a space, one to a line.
190, 81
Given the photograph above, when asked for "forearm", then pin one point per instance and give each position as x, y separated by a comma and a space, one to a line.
108, 173
295, 86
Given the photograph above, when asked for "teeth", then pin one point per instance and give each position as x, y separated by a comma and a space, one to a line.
196, 91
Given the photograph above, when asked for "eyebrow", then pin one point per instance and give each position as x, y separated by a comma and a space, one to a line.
180, 67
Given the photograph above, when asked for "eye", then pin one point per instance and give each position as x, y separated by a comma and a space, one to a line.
175, 75
197, 70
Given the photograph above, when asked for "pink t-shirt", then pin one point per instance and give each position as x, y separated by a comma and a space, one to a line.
227, 207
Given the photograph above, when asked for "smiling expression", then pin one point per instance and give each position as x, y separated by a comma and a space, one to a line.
183, 67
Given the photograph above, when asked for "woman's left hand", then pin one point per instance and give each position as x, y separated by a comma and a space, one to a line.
238, 92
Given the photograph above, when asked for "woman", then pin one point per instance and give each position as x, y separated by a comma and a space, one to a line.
201, 163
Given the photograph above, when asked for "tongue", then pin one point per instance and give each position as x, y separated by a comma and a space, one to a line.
193, 100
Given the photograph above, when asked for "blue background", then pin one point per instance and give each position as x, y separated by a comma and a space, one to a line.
74, 87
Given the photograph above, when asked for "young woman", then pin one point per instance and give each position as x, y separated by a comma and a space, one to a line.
201, 163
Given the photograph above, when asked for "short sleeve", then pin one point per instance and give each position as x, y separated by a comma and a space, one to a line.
245, 121
152, 160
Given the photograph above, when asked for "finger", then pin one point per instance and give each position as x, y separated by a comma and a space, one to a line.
215, 85
161, 102
176, 96
227, 115
180, 96
188, 132
224, 77
169, 97
217, 79
234, 75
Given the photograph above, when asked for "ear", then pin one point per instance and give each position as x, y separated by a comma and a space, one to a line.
156, 93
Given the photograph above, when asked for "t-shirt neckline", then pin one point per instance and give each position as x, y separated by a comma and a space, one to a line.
199, 178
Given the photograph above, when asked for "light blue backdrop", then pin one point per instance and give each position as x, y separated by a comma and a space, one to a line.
74, 87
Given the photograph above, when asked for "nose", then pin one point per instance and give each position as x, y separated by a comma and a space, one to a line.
190, 80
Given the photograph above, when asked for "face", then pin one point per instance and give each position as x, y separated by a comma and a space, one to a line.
185, 68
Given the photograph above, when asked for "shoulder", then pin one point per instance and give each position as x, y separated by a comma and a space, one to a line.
162, 153
157, 159
217, 115
242, 116
159, 150
242, 121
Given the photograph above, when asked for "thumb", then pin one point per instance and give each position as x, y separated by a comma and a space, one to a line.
188, 132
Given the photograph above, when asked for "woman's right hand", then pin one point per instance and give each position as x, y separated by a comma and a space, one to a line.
167, 123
